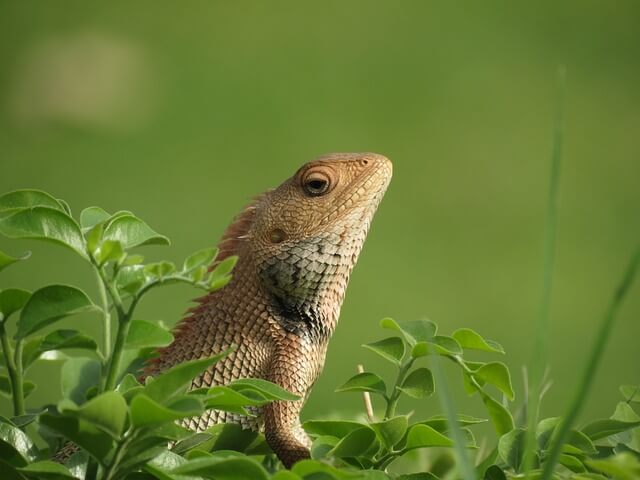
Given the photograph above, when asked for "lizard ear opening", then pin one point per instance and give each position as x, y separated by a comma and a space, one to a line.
277, 235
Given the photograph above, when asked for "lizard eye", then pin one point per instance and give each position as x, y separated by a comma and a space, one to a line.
316, 183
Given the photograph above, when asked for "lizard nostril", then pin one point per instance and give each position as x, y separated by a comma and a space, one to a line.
277, 235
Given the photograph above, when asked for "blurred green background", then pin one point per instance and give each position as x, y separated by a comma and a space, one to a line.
182, 111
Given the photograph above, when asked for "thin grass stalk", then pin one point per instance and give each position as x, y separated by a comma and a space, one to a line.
562, 432
541, 349
465, 466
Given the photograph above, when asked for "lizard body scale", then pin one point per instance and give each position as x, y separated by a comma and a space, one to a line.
297, 245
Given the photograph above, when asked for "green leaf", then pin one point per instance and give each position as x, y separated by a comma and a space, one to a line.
5, 386
107, 411
494, 472
31, 351
228, 400
131, 232
163, 463
77, 376
269, 390
631, 393
220, 275
28, 198
146, 411
334, 428
630, 438
418, 384
50, 304
358, 442
159, 269
572, 463
47, 470
92, 216
94, 238
143, 334
12, 300
500, 416
215, 284
133, 260
6, 260
623, 466
127, 383
391, 348
364, 382
391, 431
220, 468
322, 446
421, 436
10, 472
439, 344
603, 428
413, 331
44, 223
229, 436
16, 448
224, 268
65, 206
96, 442
201, 258
511, 447
66, 339
285, 475
131, 278
576, 439
176, 380
472, 340
22, 421
441, 424
313, 469
497, 374
109, 251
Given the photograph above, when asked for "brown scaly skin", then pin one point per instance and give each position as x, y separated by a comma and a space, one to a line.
297, 245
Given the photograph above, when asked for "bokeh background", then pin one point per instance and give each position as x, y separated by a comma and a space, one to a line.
182, 111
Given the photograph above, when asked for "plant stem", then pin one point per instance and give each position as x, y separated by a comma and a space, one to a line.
102, 291
392, 402
115, 359
561, 433
121, 449
15, 373
368, 408
540, 351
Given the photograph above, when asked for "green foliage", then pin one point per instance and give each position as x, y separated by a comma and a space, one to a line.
127, 430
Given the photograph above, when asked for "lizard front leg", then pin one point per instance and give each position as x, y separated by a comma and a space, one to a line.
295, 366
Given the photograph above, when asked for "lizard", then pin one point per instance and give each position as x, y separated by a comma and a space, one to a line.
297, 245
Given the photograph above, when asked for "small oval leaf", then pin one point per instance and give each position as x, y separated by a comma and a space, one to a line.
12, 300
391, 348
418, 384
143, 334
50, 304
6, 260
472, 340
131, 232
364, 382
44, 223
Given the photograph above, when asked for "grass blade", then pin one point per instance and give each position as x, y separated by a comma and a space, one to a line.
446, 400
589, 373
540, 352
